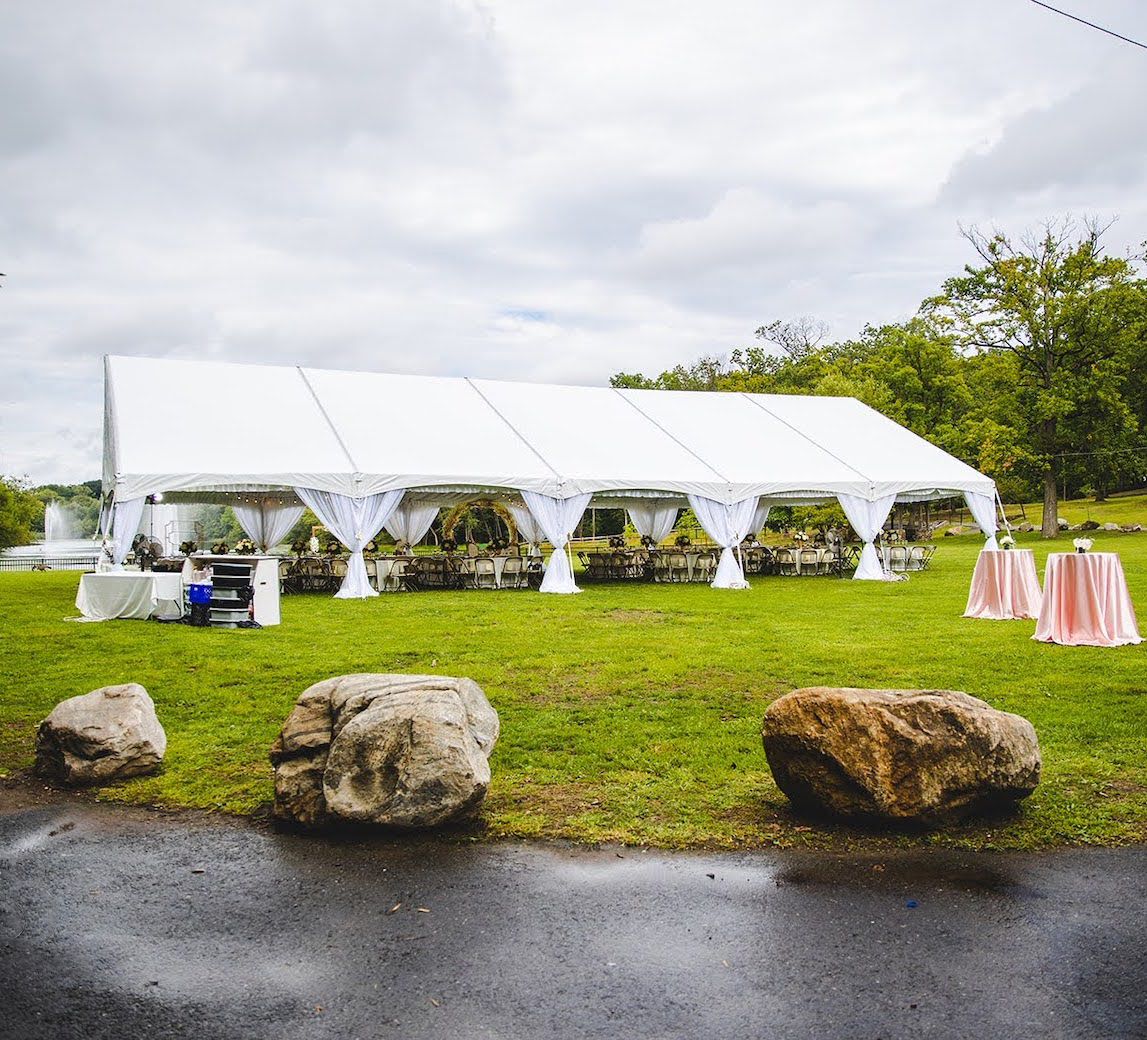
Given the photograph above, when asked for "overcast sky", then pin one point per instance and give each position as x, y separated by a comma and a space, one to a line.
522, 189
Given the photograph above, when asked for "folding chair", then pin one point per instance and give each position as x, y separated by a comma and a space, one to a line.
484, 574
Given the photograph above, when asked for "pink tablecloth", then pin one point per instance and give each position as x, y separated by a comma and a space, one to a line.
1086, 602
1004, 586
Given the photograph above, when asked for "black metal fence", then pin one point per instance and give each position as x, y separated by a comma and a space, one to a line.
47, 563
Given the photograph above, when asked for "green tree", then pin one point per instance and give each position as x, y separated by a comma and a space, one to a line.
1061, 307
18, 508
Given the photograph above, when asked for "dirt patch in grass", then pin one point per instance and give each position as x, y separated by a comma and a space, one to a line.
1122, 787
636, 617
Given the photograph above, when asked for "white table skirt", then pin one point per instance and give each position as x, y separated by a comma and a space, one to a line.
130, 594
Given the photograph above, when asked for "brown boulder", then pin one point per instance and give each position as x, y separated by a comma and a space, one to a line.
921, 756
398, 750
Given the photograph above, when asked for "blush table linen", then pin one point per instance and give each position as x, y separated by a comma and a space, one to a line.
1004, 586
1086, 602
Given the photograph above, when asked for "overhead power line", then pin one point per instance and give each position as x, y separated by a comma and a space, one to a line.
1084, 21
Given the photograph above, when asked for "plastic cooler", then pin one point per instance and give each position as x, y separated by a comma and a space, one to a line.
199, 593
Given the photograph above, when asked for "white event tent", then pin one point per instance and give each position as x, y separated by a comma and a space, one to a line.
367, 450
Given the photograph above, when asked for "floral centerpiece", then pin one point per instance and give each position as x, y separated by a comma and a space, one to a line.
333, 547
498, 545
647, 541
246, 547
188, 547
219, 548
1082, 544
300, 546
617, 542
682, 541
449, 545
370, 548
1007, 542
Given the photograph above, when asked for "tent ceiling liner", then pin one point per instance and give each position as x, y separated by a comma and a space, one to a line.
188, 426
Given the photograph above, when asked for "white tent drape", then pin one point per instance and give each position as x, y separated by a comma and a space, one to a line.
727, 525
267, 521
125, 522
354, 522
867, 518
527, 527
983, 508
654, 517
557, 518
411, 520
759, 517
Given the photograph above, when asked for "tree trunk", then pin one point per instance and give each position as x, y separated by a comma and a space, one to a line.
1050, 505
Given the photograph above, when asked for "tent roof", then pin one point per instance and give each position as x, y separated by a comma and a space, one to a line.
186, 426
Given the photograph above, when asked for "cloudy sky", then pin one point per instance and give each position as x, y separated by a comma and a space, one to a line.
522, 189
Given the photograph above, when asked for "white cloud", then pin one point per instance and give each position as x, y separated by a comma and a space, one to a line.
514, 188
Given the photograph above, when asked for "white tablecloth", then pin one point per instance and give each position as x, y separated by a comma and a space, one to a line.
130, 594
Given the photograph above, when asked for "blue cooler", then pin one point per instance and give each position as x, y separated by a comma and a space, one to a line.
199, 593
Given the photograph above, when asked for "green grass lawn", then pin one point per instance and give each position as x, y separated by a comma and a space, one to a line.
629, 713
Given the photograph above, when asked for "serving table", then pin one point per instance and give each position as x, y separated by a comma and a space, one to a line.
1005, 586
1086, 602
130, 594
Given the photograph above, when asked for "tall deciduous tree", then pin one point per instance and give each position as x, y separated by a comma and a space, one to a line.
1061, 306
18, 508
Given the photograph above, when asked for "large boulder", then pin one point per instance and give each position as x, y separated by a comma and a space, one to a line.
108, 734
923, 756
398, 750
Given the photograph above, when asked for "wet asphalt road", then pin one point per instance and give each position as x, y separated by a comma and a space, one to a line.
128, 924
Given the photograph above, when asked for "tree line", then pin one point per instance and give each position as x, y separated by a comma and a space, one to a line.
1029, 365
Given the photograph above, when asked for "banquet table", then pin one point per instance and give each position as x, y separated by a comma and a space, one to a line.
1086, 602
692, 571
130, 594
1004, 586
469, 570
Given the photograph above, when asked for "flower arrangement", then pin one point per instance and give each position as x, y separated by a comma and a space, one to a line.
498, 545
449, 545
1007, 542
333, 547
1082, 544
219, 548
682, 541
246, 547
617, 542
299, 546
370, 548
188, 547
647, 541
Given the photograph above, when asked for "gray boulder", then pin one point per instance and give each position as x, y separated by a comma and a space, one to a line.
399, 750
108, 734
923, 756
1062, 524
1110, 526
1026, 527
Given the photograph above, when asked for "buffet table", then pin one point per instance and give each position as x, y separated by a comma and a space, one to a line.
1004, 586
1086, 602
130, 594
